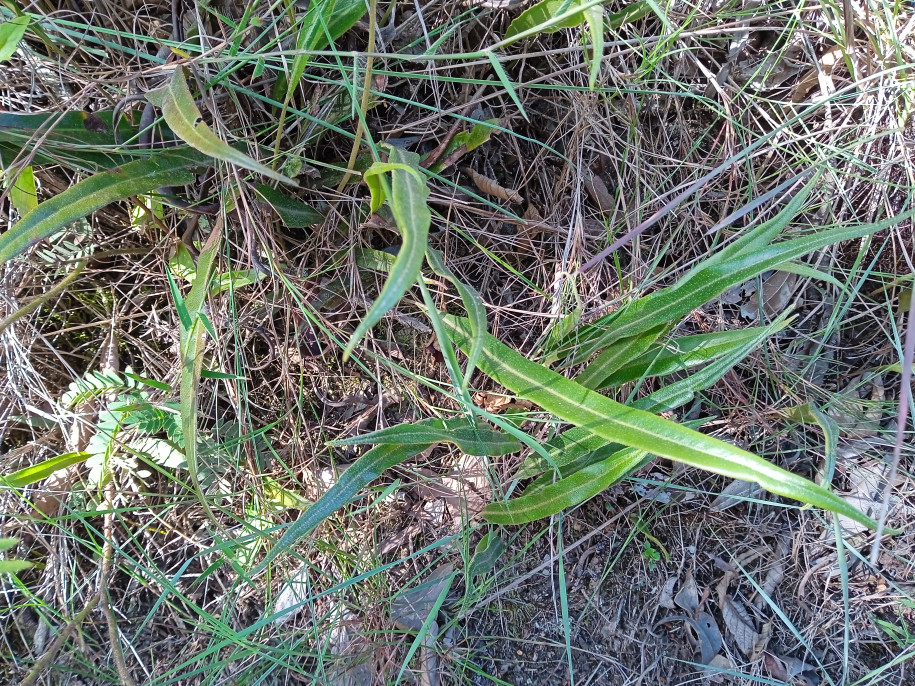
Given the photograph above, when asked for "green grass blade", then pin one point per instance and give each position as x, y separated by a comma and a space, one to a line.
30, 475
184, 119
594, 16
639, 429
568, 492
365, 470
473, 303
506, 83
95, 192
413, 218
474, 440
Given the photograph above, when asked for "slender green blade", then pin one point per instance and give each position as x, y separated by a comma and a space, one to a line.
35, 473
616, 356
23, 193
473, 440
568, 492
639, 429
365, 470
676, 355
748, 257
184, 119
413, 218
93, 193
475, 309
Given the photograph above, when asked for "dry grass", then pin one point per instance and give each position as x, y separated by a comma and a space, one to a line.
669, 109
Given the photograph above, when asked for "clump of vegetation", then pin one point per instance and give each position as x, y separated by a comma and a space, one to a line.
554, 262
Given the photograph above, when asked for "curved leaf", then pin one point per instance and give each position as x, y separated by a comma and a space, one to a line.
294, 213
30, 475
93, 193
365, 470
568, 492
473, 440
412, 216
639, 429
475, 309
183, 117
11, 32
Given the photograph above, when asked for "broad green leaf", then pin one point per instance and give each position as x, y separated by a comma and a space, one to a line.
746, 258
568, 492
184, 119
413, 218
373, 179
294, 213
8, 543
475, 309
473, 440
23, 193
11, 32
676, 355
486, 554
93, 193
377, 260
637, 428
365, 470
615, 356
30, 475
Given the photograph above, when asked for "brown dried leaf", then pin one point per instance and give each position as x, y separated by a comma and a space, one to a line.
490, 187
495, 402
740, 626
776, 294
599, 193
688, 595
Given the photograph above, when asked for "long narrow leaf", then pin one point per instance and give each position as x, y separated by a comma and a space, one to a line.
183, 117
413, 218
92, 194
30, 475
475, 309
365, 470
639, 429
568, 492
473, 440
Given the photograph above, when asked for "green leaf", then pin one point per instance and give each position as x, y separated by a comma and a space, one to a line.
14, 566
568, 492
475, 308
42, 470
744, 259
11, 32
24, 194
615, 356
413, 218
675, 355
8, 543
473, 440
506, 83
184, 119
548, 16
365, 470
79, 139
95, 192
294, 213
639, 429
594, 16
486, 554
